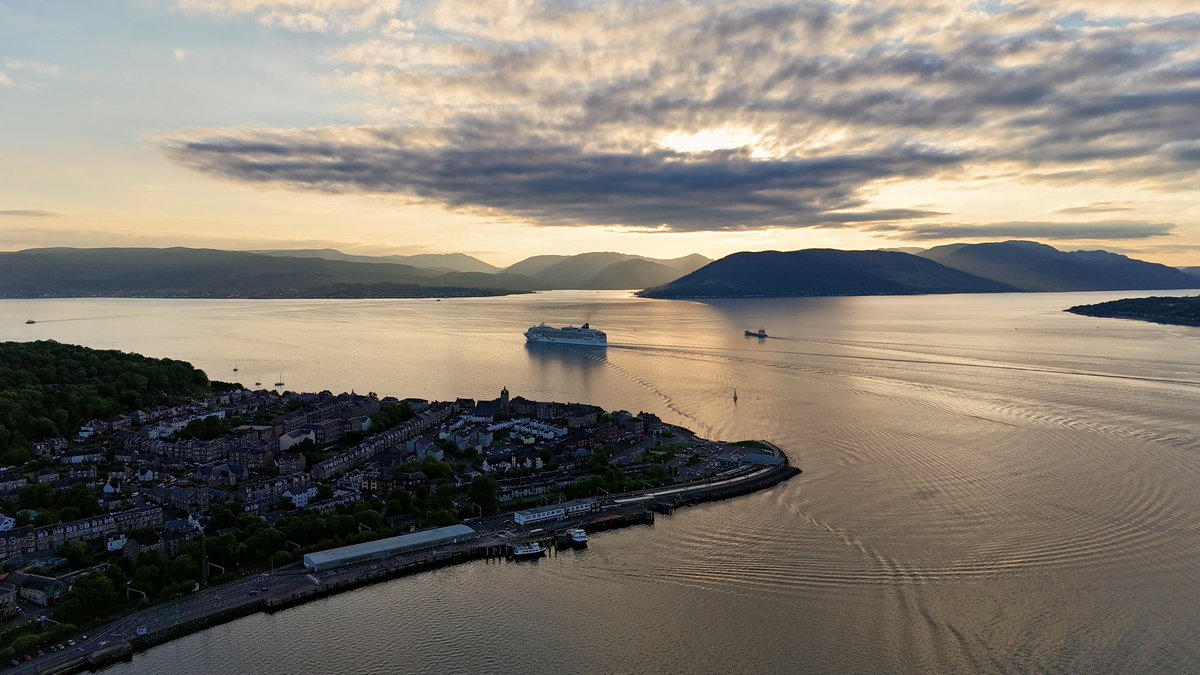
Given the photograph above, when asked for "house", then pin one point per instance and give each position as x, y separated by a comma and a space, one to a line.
49, 446
296, 437
301, 498
82, 472
252, 456
8, 603
12, 481
416, 405
35, 588
292, 462
82, 457
47, 476
378, 482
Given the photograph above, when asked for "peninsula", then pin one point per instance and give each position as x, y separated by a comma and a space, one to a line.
143, 507
1179, 311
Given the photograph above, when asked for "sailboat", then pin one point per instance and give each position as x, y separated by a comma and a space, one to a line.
280, 382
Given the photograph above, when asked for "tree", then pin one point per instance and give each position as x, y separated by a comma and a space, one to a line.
324, 491
280, 558
76, 553
91, 597
444, 494
485, 491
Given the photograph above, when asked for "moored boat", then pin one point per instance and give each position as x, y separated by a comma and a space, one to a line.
577, 536
532, 550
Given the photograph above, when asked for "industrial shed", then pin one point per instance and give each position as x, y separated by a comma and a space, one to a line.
386, 548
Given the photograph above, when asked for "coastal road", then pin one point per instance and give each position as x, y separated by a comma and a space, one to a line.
294, 581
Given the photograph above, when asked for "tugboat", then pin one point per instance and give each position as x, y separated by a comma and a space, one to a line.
579, 538
761, 334
524, 551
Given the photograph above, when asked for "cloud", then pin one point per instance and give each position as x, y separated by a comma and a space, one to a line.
26, 74
29, 213
1098, 207
563, 184
34, 67
305, 16
1109, 229
556, 112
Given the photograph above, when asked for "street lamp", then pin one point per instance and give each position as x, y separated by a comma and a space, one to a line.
128, 588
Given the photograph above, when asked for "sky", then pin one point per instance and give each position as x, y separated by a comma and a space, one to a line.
510, 128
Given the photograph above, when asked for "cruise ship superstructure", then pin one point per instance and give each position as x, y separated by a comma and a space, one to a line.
585, 335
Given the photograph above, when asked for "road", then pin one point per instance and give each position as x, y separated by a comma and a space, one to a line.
294, 581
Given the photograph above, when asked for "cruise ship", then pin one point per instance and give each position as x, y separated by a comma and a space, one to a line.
585, 335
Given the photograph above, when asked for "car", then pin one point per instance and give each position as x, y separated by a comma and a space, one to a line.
71, 642
253, 592
84, 637
14, 662
103, 642
28, 657
61, 646
141, 630
41, 653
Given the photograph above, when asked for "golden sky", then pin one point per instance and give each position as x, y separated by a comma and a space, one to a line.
509, 129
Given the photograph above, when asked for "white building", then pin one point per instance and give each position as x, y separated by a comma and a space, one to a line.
554, 511
300, 498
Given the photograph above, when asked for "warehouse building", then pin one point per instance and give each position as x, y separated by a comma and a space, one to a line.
386, 548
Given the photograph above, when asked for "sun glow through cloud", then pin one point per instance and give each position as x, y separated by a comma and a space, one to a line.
652, 127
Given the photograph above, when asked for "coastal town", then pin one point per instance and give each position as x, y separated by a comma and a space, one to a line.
156, 505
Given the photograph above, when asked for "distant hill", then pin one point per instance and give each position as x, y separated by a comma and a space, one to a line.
605, 270
442, 262
1184, 311
1030, 266
1191, 272
822, 272
187, 272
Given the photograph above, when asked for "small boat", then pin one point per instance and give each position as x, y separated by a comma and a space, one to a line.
533, 550
29, 321
761, 333
280, 382
735, 395
235, 368
258, 384
578, 536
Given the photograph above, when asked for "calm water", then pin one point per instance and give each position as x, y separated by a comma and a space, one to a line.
990, 484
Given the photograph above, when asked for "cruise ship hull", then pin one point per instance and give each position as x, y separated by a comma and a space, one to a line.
558, 340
